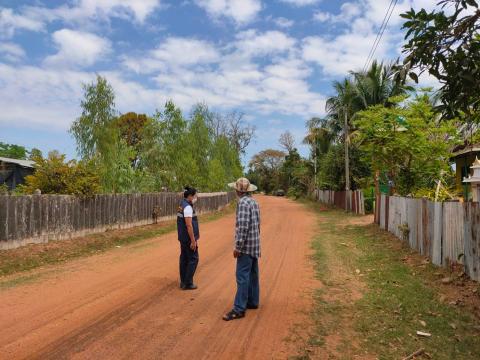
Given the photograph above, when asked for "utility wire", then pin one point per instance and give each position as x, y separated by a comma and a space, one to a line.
381, 30
378, 34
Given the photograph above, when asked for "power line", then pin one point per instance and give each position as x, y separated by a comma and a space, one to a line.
378, 35
381, 30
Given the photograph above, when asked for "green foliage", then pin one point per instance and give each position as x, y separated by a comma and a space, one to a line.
326, 137
55, 175
296, 175
13, 151
136, 153
35, 153
175, 151
414, 155
93, 129
3, 189
98, 137
267, 165
132, 127
332, 169
446, 43
216, 175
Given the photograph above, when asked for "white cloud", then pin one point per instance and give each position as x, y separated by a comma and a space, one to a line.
252, 43
241, 11
12, 52
10, 22
229, 76
322, 16
50, 97
301, 2
173, 53
77, 48
348, 11
359, 22
32, 96
283, 22
176, 50
337, 56
35, 18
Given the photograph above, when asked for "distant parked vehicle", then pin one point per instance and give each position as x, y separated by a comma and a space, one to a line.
280, 192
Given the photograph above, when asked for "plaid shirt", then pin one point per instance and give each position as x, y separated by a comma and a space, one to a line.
247, 228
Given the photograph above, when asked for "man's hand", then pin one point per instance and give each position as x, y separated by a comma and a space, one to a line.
193, 245
236, 253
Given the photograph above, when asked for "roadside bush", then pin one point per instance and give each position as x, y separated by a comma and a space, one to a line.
3, 189
53, 175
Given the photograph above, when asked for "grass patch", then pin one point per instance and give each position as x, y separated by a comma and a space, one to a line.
397, 300
400, 300
36, 255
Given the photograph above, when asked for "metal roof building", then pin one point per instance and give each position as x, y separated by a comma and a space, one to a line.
14, 171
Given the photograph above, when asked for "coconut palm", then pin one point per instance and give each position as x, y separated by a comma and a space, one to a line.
345, 103
319, 135
376, 85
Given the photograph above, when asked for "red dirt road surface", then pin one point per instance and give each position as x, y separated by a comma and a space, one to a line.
126, 304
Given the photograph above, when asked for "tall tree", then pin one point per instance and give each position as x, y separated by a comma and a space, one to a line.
287, 141
267, 165
445, 43
377, 85
200, 145
98, 138
13, 151
238, 131
93, 129
132, 130
341, 107
406, 143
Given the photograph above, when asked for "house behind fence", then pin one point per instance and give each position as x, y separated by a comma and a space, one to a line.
448, 233
41, 218
354, 202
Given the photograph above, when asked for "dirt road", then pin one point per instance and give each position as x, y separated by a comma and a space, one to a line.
126, 303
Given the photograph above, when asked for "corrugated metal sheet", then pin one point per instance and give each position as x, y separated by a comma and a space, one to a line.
472, 240
453, 233
437, 228
448, 233
355, 200
24, 163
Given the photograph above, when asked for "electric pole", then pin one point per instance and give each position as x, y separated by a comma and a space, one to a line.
347, 160
315, 167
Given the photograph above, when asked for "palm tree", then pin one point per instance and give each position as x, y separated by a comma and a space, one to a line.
345, 103
377, 84
319, 137
340, 108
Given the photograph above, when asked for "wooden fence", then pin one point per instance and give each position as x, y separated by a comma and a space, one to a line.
355, 200
41, 218
448, 233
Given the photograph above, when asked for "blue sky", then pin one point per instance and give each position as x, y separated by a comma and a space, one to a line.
272, 60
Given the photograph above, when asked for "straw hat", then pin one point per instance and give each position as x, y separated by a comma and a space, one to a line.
243, 185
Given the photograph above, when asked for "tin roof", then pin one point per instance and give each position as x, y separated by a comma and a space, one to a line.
466, 149
24, 163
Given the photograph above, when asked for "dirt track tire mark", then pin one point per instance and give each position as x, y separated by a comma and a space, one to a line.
126, 304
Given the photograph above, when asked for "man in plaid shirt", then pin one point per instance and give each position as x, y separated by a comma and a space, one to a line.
246, 250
